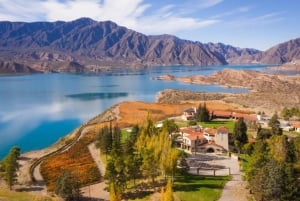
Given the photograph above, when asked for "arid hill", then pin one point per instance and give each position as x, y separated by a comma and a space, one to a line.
254, 80
268, 92
15, 68
285, 52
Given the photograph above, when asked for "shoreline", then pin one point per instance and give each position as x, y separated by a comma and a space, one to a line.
29, 158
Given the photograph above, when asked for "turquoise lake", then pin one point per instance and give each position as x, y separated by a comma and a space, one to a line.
36, 110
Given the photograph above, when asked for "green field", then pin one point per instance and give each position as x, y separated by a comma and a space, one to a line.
124, 135
218, 123
199, 188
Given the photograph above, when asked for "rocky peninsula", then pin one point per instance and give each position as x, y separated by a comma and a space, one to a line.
267, 92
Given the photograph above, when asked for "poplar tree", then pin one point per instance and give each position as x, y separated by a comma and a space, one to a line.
114, 194
275, 125
162, 194
170, 126
105, 140
202, 113
169, 191
240, 133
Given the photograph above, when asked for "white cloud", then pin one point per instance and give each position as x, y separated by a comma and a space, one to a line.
208, 3
171, 24
232, 12
259, 20
129, 13
20, 10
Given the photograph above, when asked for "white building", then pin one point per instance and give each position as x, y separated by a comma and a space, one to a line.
197, 139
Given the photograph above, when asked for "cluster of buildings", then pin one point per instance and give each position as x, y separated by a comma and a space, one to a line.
199, 139
284, 125
190, 114
205, 140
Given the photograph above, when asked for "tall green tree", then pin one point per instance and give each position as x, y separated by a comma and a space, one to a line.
240, 133
149, 165
272, 187
202, 113
263, 133
274, 123
271, 171
281, 149
67, 186
105, 140
132, 167
116, 140
170, 126
10, 166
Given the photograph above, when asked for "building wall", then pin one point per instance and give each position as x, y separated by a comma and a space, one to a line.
221, 138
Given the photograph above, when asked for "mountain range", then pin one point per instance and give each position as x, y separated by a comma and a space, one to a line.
85, 45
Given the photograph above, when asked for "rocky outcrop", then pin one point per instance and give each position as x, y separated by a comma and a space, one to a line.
15, 68
232, 54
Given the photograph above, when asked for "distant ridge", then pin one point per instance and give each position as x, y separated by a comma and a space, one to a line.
279, 54
282, 53
85, 45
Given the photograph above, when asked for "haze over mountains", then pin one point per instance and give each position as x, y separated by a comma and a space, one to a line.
85, 45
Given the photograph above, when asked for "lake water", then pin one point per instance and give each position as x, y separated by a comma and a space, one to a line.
36, 110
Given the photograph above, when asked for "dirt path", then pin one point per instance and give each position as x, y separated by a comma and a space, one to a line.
96, 191
235, 189
26, 161
24, 181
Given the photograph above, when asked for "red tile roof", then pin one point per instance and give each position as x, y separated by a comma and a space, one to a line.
222, 113
245, 116
295, 124
210, 131
193, 133
223, 129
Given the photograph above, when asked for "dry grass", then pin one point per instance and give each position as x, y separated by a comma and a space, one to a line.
7, 195
132, 113
77, 159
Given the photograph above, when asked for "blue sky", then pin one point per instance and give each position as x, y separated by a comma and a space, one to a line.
244, 23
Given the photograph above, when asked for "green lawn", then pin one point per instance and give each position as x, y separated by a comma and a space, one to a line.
124, 135
199, 188
244, 160
218, 123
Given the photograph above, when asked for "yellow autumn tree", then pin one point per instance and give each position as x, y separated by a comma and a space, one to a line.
162, 194
114, 195
169, 191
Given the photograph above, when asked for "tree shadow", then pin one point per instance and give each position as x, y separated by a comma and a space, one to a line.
143, 189
23, 158
190, 183
29, 189
92, 199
